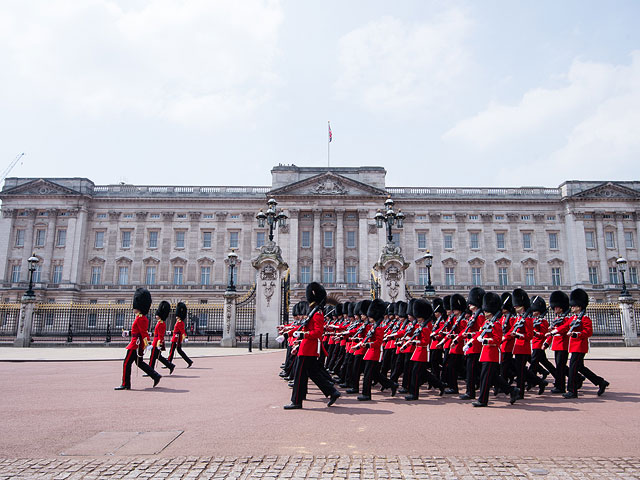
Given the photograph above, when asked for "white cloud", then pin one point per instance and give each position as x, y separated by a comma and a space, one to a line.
197, 62
388, 65
593, 117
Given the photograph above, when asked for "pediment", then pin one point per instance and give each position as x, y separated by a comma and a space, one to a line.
96, 260
328, 184
476, 261
40, 187
609, 190
123, 259
503, 262
151, 259
178, 259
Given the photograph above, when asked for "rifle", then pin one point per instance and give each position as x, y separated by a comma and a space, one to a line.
470, 324
521, 323
447, 323
559, 320
367, 338
451, 332
576, 324
416, 333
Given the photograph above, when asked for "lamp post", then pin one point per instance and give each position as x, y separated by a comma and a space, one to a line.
272, 217
428, 262
389, 218
622, 266
232, 257
33, 261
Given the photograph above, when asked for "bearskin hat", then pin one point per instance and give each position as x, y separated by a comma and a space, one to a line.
304, 308
376, 309
422, 309
364, 307
520, 298
559, 299
181, 311
458, 302
438, 306
142, 300
475, 296
338, 310
163, 310
507, 302
391, 309
410, 305
579, 298
446, 302
539, 305
491, 303
402, 309
316, 293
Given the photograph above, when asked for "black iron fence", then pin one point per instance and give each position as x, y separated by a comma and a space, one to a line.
285, 291
246, 314
9, 313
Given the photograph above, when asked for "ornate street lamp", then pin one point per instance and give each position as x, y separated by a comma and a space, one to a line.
622, 267
272, 217
389, 217
33, 261
232, 257
428, 262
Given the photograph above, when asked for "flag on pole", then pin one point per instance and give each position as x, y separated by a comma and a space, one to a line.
330, 134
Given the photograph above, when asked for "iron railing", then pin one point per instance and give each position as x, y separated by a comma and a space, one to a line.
246, 314
9, 313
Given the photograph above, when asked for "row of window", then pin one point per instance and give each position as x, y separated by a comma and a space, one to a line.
151, 275
328, 274
503, 276
40, 237
16, 272
474, 240
153, 237
609, 239
614, 278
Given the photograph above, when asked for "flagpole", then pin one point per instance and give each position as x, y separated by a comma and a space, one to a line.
329, 146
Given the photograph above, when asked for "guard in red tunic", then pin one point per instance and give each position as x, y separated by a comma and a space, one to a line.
435, 351
179, 334
139, 340
540, 330
373, 356
308, 367
579, 331
507, 320
158, 337
472, 348
491, 337
455, 343
559, 302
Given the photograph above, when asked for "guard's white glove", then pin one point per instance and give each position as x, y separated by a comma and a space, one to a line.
125, 333
280, 338
148, 348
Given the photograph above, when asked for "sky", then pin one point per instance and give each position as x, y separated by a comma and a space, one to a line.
206, 92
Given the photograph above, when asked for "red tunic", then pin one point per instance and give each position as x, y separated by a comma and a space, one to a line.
580, 343
459, 345
139, 333
374, 352
561, 340
310, 344
421, 353
539, 333
437, 335
507, 345
522, 345
158, 333
179, 333
491, 351
476, 347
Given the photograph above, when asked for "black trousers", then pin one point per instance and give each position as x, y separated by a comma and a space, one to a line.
178, 346
540, 363
490, 375
406, 371
372, 373
561, 357
435, 361
156, 354
388, 356
445, 366
347, 365
129, 360
309, 368
398, 368
339, 359
473, 373
419, 376
453, 367
508, 367
523, 374
331, 351
356, 371
576, 366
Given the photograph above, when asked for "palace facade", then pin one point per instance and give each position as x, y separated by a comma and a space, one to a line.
97, 243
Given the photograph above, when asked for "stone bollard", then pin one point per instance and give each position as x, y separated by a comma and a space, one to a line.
629, 331
25, 321
229, 315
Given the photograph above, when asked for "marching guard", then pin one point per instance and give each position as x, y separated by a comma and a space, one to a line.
179, 335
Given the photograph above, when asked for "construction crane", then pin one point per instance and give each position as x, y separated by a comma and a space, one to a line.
10, 167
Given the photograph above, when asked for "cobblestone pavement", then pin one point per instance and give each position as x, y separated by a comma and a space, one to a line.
324, 467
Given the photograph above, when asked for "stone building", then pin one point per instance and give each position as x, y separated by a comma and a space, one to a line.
96, 243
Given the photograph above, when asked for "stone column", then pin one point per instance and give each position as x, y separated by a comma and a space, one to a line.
622, 244
270, 269
602, 250
340, 245
317, 243
47, 273
575, 248
229, 315
363, 246
7, 240
78, 226
25, 321
629, 331
29, 233
391, 270
293, 243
